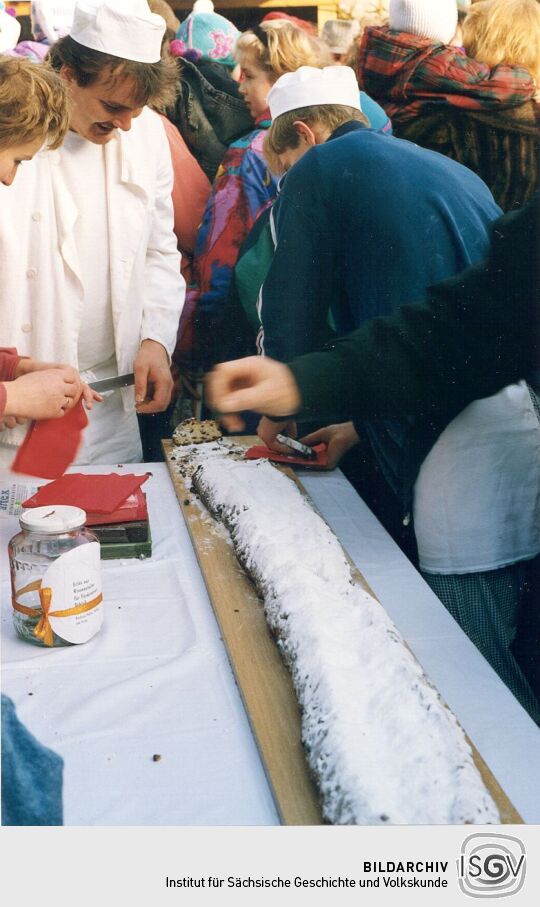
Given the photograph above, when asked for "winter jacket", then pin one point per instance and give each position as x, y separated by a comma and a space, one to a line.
243, 188
209, 112
240, 323
351, 236
502, 146
410, 75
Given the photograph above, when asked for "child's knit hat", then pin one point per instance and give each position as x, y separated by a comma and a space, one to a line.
206, 36
339, 34
434, 19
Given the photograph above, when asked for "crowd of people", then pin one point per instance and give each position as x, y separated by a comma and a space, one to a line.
339, 229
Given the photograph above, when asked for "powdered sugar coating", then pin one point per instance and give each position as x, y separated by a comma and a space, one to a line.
381, 744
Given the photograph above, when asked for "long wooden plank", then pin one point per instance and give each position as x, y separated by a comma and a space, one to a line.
263, 680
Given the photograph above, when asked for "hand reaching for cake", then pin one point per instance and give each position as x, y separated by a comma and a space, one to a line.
256, 383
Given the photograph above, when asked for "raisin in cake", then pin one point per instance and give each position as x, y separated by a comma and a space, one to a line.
196, 431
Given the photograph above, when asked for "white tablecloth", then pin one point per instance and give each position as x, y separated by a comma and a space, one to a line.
156, 680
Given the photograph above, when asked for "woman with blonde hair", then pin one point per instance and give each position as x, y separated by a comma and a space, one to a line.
504, 31
34, 113
504, 148
244, 185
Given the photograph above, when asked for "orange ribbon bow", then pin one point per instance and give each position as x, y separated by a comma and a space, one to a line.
43, 630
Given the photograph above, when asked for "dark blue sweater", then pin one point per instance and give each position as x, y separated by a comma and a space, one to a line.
365, 223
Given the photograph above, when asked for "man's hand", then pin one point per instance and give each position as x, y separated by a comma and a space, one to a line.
153, 379
44, 394
338, 439
256, 383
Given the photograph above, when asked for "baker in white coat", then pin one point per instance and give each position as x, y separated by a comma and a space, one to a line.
89, 261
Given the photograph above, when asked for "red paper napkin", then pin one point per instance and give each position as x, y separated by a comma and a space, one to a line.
262, 452
95, 494
51, 446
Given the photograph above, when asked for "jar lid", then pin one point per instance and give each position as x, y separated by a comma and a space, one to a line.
55, 518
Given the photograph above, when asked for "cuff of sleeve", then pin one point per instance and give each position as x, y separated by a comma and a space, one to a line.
10, 373
158, 340
9, 359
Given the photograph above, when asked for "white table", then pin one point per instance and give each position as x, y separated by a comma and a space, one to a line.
156, 680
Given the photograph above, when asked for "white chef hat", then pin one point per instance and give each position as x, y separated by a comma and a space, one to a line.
10, 30
310, 87
121, 28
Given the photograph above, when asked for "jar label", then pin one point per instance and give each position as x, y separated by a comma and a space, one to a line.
74, 580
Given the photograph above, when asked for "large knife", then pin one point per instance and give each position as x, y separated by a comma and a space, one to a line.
111, 384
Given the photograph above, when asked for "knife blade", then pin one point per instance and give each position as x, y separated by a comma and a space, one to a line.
300, 450
111, 384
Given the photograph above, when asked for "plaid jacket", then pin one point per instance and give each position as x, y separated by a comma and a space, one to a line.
409, 75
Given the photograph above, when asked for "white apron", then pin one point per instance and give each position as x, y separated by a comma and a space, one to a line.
477, 496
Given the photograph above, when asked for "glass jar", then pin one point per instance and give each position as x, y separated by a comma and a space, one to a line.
55, 577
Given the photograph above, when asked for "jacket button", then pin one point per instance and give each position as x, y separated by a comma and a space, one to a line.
36, 216
31, 273
26, 328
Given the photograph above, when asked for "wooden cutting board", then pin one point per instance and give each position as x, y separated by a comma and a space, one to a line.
263, 680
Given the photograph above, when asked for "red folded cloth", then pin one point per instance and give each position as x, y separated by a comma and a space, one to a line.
109, 498
261, 451
51, 446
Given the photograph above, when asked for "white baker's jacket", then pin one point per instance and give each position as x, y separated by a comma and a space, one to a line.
41, 294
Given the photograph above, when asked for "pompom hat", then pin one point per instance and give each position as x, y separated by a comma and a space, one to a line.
433, 19
206, 36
